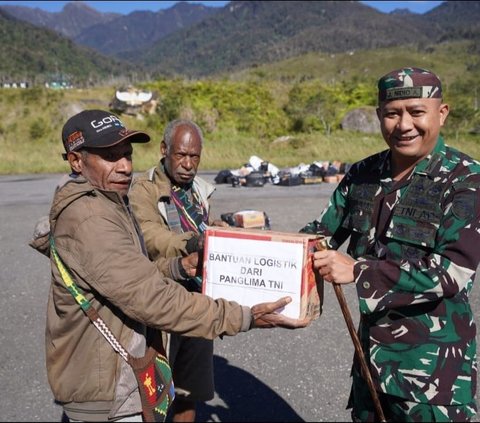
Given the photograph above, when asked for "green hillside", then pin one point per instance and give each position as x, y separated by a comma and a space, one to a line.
451, 60
31, 53
287, 113
255, 32
202, 44
252, 33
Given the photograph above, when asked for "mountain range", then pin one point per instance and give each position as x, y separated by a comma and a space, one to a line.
193, 40
35, 55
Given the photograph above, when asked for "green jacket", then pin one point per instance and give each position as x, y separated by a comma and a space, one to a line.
416, 243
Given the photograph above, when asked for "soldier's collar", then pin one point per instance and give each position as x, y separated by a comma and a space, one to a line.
431, 164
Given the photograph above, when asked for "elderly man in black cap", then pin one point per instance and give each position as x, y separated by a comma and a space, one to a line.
96, 247
412, 217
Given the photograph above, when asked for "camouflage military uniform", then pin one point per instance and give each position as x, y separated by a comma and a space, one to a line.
416, 241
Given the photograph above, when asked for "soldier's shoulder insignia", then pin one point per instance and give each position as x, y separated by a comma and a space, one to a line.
463, 206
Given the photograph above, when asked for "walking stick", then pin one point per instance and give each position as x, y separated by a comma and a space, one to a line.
322, 245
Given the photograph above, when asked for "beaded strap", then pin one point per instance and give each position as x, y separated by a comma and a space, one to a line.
86, 305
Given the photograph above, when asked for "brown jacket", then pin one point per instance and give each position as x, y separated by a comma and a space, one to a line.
96, 237
148, 194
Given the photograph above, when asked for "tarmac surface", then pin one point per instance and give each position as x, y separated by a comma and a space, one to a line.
261, 375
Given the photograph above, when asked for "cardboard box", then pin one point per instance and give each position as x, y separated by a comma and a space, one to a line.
312, 179
252, 266
330, 179
249, 219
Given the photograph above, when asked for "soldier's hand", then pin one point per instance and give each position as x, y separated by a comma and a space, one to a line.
266, 315
190, 264
334, 266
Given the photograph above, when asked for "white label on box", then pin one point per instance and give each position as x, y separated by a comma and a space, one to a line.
254, 271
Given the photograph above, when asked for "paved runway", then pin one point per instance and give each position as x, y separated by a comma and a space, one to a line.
262, 375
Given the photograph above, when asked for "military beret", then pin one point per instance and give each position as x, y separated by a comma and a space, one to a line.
409, 83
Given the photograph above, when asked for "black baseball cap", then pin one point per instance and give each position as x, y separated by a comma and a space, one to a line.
97, 129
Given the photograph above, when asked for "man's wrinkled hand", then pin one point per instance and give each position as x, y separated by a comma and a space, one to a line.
201, 243
221, 223
266, 315
190, 264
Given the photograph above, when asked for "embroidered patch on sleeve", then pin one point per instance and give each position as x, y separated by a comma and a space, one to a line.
463, 206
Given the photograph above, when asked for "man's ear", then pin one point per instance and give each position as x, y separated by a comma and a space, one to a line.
75, 159
163, 148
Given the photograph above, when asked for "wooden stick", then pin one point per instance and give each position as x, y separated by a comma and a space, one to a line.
322, 245
358, 349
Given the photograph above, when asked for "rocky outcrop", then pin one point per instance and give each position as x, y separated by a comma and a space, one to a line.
363, 119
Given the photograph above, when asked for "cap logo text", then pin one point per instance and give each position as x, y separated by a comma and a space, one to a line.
108, 120
404, 92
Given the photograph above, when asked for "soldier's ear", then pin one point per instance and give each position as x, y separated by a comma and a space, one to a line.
444, 110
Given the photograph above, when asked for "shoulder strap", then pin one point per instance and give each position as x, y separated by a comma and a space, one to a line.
150, 173
86, 306
173, 219
152, 371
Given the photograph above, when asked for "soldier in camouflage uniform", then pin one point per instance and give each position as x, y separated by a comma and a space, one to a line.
412, 215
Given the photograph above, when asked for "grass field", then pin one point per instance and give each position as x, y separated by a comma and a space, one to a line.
286, 113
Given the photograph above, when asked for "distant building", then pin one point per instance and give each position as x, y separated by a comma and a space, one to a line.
21, 84
58, 81
133, 101
58, 85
